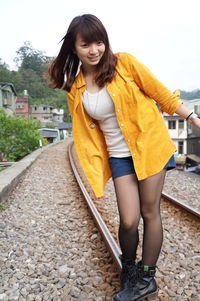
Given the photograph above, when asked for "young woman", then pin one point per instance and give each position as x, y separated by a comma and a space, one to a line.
119, 131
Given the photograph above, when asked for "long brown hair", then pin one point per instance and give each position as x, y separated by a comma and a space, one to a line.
66, 63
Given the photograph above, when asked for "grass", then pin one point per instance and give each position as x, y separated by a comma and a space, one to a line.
2, 168
1, 207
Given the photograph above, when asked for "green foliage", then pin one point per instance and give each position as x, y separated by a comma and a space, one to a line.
50, 126
31, 75
1, 207
18, 137
5, 74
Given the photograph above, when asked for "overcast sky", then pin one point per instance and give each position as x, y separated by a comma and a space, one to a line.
163, 34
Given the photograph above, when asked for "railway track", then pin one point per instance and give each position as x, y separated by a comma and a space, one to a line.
107, 236
110, 236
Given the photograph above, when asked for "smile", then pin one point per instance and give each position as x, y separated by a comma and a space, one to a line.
93, 57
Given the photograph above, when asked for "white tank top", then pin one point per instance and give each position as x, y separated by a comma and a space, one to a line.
101, 108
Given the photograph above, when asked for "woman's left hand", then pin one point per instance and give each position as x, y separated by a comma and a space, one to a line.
196, 122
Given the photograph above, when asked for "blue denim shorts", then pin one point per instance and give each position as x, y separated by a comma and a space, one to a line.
124, 166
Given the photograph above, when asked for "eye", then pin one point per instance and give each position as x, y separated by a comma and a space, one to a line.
99, 42
84, 45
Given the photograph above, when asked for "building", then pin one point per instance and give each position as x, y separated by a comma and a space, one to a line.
185, 136
177, 127
47, 114
65, 129
193, 139
58, 115
52, 135
41, 113
8, 96
22, 106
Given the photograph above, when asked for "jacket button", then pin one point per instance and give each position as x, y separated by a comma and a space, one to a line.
118, 110
113, 94
129, 140
122, 124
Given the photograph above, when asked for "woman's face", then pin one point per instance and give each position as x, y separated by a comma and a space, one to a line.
89, 54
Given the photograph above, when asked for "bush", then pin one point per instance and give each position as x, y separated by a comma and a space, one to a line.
18, 137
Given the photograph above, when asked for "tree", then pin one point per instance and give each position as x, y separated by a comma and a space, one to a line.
5, 74
29, 58
31, 75
18, 137
190, 95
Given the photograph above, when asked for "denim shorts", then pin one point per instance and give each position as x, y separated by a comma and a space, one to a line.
124, 166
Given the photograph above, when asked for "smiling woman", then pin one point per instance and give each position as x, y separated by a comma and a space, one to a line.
119, 131
86, 39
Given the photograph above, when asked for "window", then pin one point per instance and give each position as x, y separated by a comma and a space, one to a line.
35, 108
7, 98
20, 106
180, 147
171, 124
181, 124
44, 108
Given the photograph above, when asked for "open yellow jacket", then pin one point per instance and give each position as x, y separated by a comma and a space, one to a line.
133, 91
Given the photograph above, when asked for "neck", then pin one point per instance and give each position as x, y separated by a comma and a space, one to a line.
89, 71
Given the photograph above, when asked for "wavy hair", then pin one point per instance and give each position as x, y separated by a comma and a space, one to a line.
63, 69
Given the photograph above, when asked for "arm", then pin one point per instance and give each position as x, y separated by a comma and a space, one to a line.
152, 87
184, 112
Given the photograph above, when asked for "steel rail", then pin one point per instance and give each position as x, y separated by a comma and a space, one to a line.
106, 235
178, 203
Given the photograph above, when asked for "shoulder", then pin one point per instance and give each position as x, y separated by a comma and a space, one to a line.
125, 57
125, 60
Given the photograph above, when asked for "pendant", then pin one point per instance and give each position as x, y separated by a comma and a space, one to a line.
92, 125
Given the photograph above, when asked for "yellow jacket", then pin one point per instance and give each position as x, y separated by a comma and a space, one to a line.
133, 91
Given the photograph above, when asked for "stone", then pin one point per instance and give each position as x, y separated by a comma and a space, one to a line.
3, 297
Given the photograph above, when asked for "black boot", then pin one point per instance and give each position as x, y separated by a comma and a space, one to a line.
144, 288
128, 272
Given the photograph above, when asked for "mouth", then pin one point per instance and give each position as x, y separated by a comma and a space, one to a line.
93, 58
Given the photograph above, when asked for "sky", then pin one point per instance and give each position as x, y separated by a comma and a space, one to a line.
162, 34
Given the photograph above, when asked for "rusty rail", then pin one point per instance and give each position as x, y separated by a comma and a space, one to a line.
184, 206
106, 235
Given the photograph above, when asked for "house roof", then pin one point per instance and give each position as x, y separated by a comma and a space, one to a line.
65, 126
194, 158
46, 133
4, 85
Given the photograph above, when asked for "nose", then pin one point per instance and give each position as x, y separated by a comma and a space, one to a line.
93, 48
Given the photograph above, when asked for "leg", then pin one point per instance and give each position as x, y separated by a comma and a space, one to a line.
150, 194
145, 286
126, 188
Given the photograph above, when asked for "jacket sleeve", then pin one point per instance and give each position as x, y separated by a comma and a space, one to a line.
152, 87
